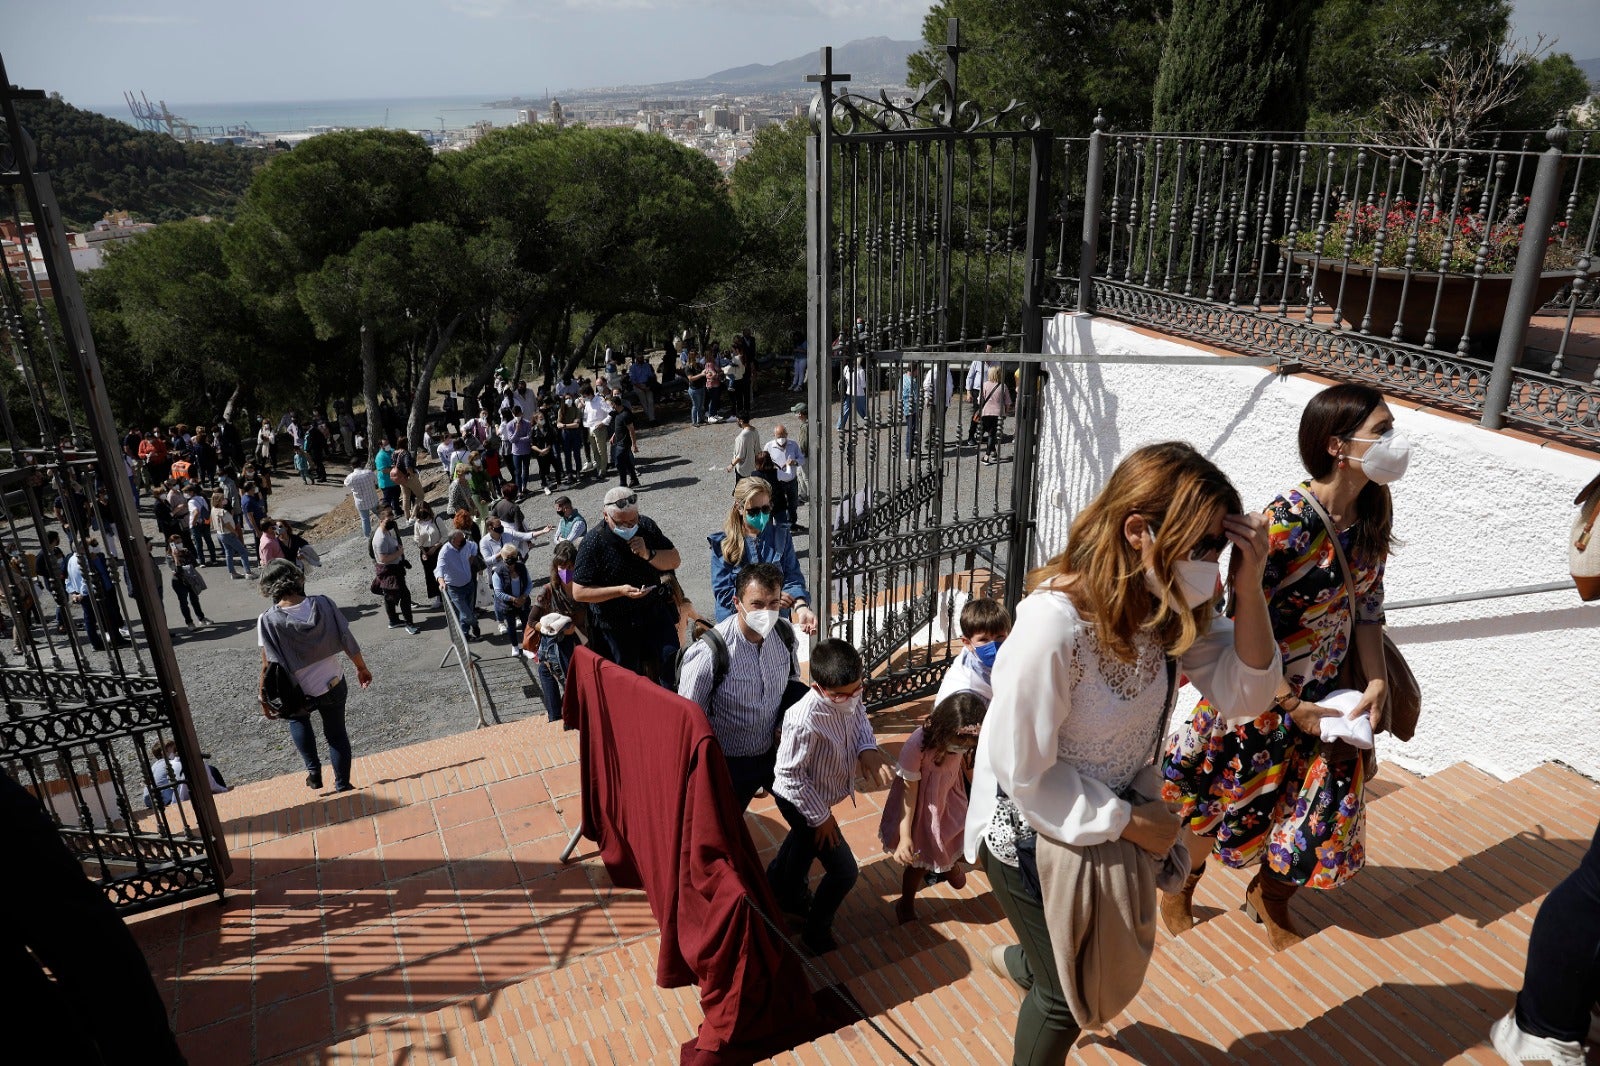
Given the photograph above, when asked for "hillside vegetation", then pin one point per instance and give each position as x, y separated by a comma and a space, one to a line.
98, 164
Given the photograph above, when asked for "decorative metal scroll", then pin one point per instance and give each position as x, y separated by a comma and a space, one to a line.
926, 237
93, 719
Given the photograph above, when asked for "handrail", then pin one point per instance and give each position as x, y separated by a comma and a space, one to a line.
1472, 597
465, 656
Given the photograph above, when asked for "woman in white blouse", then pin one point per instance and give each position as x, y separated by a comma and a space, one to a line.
1082, 689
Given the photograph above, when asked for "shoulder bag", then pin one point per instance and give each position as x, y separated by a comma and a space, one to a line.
280, 694
1583, 548
1404, 699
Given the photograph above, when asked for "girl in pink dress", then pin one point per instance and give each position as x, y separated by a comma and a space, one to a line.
926, 810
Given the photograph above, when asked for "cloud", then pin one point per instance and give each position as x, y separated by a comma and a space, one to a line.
133, 19
829, 9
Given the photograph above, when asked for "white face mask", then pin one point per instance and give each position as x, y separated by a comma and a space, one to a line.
761, 621
1197, 580
1387, 459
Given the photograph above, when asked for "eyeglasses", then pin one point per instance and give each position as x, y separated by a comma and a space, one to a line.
764, 509
835, 696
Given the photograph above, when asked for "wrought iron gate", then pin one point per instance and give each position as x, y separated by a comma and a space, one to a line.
94, 722
925, 252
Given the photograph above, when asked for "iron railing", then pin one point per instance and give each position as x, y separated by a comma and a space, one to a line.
93, 703
1400, 266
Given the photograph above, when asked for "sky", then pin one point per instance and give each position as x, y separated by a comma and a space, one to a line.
249, 50
233, 50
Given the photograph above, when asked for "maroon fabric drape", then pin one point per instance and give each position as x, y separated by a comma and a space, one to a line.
658, 800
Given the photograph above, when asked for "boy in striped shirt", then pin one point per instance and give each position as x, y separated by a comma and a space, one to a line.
826, 743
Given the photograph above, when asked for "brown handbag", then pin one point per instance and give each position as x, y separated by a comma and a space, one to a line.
1404, 695
1583, 549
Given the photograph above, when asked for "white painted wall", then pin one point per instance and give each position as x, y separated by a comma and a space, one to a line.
1506, 684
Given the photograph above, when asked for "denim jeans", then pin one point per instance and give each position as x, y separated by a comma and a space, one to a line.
187, 597
790, 871
232, 546
366, 523
331, 708
697, 406
844, 410
913, 418
202, 535
1562, 978
554, 655
519, 471
464, 599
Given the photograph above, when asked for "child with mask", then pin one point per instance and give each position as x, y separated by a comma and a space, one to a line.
826, 743
984, 627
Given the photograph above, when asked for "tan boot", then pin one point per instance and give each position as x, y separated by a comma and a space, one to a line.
1177, 908
1267, 901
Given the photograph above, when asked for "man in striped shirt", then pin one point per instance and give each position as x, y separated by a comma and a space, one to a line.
745, 708
827, 742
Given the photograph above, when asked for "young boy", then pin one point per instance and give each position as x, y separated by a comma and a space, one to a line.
984, 626
826, 742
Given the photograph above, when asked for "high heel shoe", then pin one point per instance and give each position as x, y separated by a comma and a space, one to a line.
1266, 902
1177, 908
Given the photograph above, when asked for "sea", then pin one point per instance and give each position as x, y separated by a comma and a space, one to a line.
297, 116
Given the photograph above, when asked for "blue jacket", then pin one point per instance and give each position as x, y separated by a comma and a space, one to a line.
773, 545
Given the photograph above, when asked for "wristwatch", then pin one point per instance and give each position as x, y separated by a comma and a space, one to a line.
651, 557
799, 604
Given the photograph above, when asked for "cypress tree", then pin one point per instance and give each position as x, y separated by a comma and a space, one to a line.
1234, 65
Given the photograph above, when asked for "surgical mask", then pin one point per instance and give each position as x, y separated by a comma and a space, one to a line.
625, 532
758, 522
986, 653
564, 574
1197, 580
957, 749
1387, 459
761, 621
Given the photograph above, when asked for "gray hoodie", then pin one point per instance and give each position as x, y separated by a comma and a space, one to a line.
297, 645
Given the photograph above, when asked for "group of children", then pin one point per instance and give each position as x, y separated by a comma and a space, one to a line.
827, 742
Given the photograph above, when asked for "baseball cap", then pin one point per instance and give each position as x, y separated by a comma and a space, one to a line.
798, 409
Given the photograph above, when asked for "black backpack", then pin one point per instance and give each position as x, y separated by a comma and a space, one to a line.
722, 659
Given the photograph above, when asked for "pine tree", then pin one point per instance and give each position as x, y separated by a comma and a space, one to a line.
1234, 65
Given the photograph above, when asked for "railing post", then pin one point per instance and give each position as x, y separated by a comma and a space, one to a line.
1523, 300
1094, 182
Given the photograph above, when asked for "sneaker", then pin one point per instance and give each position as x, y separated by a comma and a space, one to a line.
504, 629
547, 490
1523, 1049
413, 630
394, 625
237, 577
435, 603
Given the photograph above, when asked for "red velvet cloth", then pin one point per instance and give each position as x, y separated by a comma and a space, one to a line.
658, 800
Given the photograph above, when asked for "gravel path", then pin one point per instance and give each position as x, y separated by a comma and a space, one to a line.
412, 698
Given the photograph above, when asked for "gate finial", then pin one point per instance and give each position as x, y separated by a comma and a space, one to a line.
952, 63
822, 108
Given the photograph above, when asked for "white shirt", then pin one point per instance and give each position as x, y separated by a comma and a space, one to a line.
596, 412
490, 546
1070, 725
363, 486
927, 386
966, 674
784, 452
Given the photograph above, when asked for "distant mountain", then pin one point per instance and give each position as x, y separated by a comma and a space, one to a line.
871, 61
1591, 70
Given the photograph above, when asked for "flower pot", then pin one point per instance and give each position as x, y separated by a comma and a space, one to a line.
1385, 285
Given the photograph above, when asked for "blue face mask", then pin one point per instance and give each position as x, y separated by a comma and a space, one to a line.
986, 653
625, 532
758, 522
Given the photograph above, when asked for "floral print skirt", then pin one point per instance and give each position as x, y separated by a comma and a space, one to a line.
1268, 792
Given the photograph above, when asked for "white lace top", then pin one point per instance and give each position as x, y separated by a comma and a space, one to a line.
1070, 724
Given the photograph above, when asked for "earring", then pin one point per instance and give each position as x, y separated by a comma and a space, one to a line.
1343, 462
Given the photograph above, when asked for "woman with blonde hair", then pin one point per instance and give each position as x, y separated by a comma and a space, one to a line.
1065, 814
750, 536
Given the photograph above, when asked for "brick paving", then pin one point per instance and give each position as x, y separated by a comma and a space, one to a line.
427, 918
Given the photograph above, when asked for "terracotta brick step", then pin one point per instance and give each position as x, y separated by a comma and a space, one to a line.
1226, 942
1351, 971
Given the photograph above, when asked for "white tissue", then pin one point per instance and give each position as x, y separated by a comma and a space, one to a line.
1357, 732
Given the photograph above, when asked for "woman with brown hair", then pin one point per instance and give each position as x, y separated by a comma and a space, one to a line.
1064, 813
555, 649
1272, 790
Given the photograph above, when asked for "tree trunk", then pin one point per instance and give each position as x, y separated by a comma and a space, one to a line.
369, 386
589, 335
507, 337
419, 397
522, 356
233, 401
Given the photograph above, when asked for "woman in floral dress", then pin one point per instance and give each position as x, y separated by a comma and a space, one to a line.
1272, 790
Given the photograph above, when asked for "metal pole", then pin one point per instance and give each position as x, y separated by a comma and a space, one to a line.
1025, 449
819, 224
85, 364
1523, 301
1094, 183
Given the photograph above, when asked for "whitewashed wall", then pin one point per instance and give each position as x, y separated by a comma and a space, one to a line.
1506, 683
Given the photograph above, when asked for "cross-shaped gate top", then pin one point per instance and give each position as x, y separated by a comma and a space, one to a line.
826, 80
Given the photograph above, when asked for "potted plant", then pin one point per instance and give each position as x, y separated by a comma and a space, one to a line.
1359, 268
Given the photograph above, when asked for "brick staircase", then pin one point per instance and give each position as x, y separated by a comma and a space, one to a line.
426, 918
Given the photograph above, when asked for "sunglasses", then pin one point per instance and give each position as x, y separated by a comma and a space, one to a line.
1211, 542
627, 501
765, 509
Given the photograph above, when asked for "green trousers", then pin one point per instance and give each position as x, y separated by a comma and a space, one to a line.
1046, 1030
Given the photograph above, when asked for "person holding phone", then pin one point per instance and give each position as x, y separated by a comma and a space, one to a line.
618, 575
